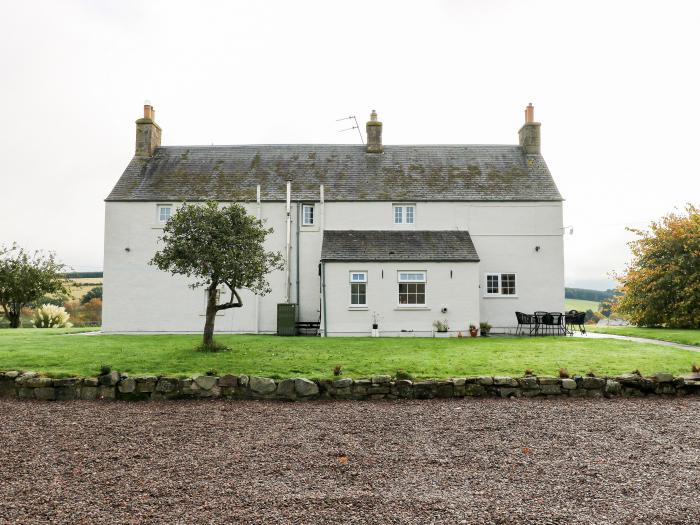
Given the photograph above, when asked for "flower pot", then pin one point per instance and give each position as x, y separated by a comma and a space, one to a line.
473, 332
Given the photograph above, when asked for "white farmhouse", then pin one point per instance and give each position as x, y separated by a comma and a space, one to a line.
400, 235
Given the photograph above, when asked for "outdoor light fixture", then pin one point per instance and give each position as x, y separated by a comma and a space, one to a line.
537, 248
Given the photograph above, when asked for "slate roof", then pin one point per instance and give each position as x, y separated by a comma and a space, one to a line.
382, 245
348, 173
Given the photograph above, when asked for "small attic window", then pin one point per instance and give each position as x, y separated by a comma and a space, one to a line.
307, 215
165, 211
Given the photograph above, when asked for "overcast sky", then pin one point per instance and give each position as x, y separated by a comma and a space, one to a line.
615, 85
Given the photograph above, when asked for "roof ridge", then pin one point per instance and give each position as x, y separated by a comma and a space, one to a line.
253, 145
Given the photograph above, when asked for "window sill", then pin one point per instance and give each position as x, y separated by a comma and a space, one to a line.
157, 226
398, 308
500, 296
361, 308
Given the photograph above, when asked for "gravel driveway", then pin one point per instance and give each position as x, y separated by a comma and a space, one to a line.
439, 461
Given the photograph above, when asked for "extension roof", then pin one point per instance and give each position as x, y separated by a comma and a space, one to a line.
348, 173
382, 245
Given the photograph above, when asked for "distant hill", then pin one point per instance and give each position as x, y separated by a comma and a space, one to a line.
581, 305
78, 275
588, 295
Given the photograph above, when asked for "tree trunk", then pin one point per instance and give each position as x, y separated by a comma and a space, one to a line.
15, 319
211, 317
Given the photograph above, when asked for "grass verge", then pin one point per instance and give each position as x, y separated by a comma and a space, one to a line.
58, 354
682, 336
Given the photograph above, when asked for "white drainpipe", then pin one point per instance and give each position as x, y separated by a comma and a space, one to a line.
257, 297
288, 246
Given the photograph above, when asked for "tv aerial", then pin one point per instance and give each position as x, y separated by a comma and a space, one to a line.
356, 126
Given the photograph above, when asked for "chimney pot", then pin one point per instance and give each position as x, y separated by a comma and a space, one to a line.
530, 113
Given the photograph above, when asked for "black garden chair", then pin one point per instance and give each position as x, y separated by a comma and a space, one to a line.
525, 320
576, 318
540, 327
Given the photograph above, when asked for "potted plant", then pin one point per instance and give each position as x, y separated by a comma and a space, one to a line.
473, 330
485, 329
441, 328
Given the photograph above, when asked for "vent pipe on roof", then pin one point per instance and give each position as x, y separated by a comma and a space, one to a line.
147, 132
374, 134
529, 134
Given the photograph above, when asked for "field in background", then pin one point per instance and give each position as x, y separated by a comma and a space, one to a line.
79, 286
581, 305
315, 357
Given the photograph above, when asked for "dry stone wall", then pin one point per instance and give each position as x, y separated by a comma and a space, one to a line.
30, 385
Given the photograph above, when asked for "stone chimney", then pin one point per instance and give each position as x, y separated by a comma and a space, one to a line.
374, 134
147, 132
530, 132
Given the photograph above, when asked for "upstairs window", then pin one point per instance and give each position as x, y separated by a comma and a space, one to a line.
412, 288
307, 215
500, 284
358, 288
404, 213
165, 211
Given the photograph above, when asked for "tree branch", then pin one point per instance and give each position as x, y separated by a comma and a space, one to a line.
231, 304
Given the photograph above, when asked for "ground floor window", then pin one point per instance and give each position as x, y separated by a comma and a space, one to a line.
498, 284
358, 288
412, 288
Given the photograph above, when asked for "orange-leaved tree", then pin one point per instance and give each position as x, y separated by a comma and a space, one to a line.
661, 286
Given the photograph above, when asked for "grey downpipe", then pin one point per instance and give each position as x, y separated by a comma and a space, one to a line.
323, 298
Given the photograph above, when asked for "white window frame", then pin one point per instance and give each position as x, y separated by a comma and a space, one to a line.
400, 211
412, 277
305, 207
499, 279
358, 277
160, 207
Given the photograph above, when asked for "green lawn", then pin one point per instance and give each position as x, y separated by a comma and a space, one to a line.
271, 356
686, 337
580, 304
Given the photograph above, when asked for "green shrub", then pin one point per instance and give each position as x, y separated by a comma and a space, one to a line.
94, 293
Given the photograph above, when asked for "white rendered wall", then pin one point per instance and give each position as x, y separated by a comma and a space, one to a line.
449, 285
137, 297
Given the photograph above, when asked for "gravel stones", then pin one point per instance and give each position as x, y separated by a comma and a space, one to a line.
390, 462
